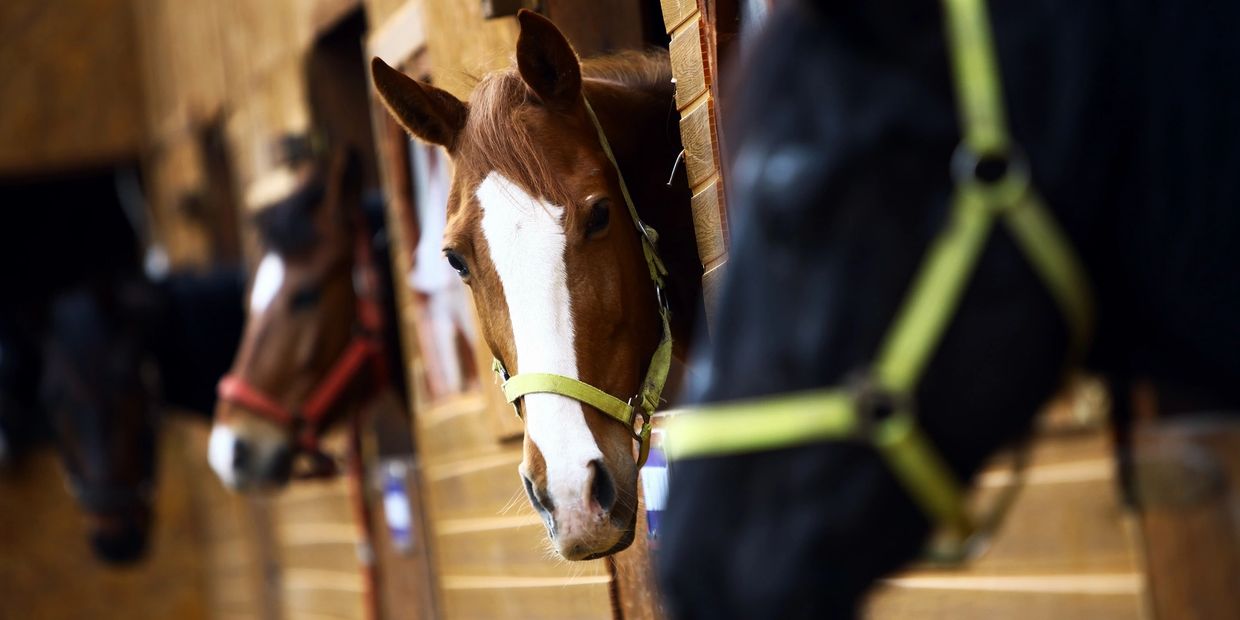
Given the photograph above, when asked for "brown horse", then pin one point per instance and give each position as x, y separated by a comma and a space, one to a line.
311, 352
538, 229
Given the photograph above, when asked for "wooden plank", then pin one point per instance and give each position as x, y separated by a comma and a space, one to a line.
634, 573
492, 489
521, 550
696, 134
583, 599
969, 604
707, 224
675, 12
688, 65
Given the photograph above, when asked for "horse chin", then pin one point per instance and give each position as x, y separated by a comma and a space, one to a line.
629, 533
621, 545
120, 540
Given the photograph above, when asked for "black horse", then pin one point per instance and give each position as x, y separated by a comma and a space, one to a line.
91, 353
842, 133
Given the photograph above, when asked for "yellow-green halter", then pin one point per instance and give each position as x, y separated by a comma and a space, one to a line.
879, 410
650, 393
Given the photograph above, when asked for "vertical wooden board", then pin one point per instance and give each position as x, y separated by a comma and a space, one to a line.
634, 573
687, 64
675, 12
707, 225
696, 134
1188, 482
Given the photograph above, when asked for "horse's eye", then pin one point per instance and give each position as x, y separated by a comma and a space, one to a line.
305, 298
457, 263
600, 216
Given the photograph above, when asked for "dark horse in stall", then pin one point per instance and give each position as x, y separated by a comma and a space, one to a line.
842, 140
91, 351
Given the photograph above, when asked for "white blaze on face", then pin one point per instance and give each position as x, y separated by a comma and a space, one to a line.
526, 241
220, 453
267, 282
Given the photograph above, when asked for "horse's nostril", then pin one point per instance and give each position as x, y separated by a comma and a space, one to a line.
240, 454
533, 495
602, 488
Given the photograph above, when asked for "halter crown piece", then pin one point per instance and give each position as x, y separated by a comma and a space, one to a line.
879, 410
650, 393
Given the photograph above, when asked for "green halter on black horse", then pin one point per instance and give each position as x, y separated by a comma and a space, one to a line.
852, 217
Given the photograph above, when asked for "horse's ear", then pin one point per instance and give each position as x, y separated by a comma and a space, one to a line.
547, 61
432, 114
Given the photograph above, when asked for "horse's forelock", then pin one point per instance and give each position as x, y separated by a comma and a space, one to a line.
501, 136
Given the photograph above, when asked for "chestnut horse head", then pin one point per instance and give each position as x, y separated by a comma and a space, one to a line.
539, 230
302, 360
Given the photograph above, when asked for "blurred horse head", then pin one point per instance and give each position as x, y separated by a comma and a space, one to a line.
310, 340
99, 388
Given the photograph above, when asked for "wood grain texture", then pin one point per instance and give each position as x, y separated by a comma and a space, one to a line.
696, 134
675, 12
584, 600
707, 225
688, 65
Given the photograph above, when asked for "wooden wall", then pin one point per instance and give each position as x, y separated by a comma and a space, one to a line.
70, 83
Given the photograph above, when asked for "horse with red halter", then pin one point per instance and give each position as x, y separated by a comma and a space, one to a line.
315, 348
560, 171
907, 289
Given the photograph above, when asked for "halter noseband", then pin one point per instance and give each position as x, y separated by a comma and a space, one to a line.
650, 393
307, 421
878, 409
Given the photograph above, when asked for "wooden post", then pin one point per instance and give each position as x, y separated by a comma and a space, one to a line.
1187, 475
694, 66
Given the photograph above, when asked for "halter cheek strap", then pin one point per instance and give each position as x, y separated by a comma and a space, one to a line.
879, 409
650, 393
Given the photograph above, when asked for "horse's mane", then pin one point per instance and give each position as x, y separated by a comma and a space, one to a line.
505, 144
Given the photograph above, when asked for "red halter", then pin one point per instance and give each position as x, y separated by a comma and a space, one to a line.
365, 349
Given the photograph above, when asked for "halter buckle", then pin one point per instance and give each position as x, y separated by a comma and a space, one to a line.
875, 404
